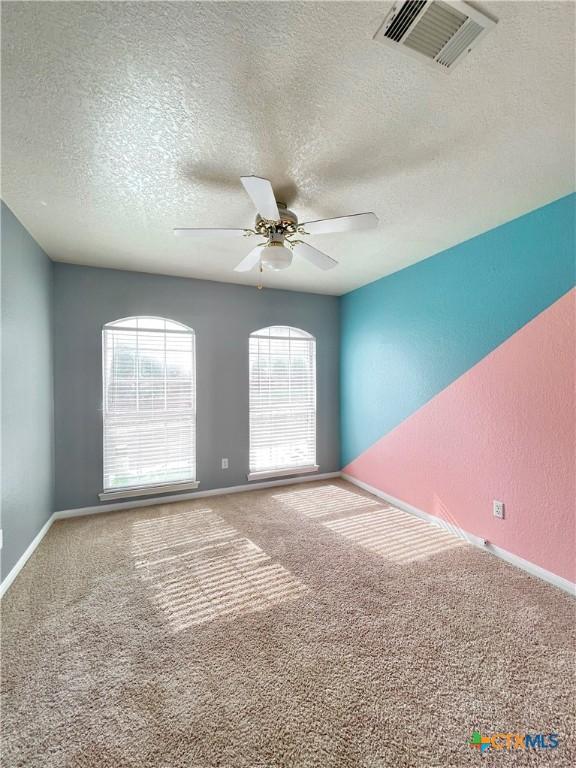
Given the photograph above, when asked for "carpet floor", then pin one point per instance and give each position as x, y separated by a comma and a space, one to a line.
305, 625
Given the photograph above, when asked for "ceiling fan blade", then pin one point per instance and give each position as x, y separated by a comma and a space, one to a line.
181, 232
250, 261
262, 195
341, 224
314, 256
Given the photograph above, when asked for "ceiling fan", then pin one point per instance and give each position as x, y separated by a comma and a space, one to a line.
279, 227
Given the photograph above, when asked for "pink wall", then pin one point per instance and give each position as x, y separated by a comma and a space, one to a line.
504, 430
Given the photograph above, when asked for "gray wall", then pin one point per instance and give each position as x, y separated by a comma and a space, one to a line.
222, 316
27, 423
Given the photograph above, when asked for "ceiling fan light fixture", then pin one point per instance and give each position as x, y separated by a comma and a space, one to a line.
275, 256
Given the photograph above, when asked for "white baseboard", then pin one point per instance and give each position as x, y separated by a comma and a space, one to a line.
25, 556
509, 557
187, 496
503, 554
146, 503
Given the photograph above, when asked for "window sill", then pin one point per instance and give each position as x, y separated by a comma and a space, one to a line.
148, 490
286, 472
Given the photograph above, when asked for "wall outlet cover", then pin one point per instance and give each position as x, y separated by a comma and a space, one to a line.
498, 509
224, 463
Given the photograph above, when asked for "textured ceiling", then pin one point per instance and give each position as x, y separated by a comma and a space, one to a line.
123, 120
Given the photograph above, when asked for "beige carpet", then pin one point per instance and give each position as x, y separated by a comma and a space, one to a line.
300, 626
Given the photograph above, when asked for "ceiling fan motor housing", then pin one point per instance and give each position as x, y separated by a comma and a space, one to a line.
287, 224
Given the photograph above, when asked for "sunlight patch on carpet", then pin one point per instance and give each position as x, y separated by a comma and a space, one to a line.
197, 526
324, 500
372, 524
199, 568
395, 535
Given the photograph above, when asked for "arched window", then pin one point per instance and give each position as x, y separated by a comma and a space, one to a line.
282, 402
149, 376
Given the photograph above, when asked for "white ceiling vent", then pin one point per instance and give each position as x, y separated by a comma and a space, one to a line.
440, 32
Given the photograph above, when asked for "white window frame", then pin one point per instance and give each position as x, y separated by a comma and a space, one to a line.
147, 489
272, 472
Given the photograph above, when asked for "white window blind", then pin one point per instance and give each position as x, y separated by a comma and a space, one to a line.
149, 377
282, 400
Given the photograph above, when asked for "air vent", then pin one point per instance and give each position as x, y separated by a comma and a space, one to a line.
440, 32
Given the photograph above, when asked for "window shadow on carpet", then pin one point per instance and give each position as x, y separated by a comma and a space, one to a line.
199, 568
374, 525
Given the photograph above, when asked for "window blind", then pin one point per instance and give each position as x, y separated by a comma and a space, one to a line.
282, 399
149, 378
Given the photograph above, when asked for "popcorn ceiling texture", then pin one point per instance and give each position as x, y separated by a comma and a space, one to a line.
297, 627
127, 119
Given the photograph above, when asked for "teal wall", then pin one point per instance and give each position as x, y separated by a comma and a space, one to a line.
407, 336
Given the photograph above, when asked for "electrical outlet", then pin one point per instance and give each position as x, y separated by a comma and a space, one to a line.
224, 463
498, 509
